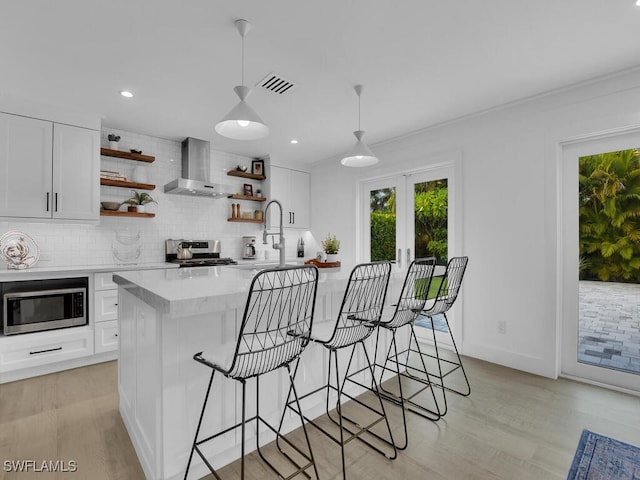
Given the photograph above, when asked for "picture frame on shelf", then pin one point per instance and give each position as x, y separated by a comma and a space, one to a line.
248, 190
257, 167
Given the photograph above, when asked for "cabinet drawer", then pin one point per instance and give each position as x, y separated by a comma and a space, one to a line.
106, 336
45, 348
105, 305
104, 281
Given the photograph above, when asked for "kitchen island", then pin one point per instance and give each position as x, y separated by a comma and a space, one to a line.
168, 316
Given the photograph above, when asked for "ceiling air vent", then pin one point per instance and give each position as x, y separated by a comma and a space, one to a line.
276, 84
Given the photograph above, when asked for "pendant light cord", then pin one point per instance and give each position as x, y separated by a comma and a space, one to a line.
242, 69
359, 112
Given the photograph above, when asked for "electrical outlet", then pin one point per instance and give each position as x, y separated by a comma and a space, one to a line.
502, 327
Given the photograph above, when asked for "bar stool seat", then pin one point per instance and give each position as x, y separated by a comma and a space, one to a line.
275, 329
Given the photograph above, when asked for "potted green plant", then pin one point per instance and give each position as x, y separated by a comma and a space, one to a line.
113, 141
138, 201
331, 246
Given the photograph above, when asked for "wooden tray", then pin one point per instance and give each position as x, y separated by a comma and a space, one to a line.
319, 264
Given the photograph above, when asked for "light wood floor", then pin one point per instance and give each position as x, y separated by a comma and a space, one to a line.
513, 426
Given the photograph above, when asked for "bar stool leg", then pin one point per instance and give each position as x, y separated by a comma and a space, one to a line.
375, 389
339, 410
195, 437
242, 428
439, 412
292, 389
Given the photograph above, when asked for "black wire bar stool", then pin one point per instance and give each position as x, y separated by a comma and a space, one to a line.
450, 283
413, 297
359, 316
276, 328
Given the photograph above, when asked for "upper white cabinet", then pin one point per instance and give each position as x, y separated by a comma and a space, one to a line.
48, 170
291, 188
26, 147
76, 179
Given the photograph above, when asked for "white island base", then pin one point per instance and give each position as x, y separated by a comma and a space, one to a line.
168, 316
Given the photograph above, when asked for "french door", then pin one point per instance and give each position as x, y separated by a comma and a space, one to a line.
410, 215
596, 346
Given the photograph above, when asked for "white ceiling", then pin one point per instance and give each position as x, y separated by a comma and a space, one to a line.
422, 62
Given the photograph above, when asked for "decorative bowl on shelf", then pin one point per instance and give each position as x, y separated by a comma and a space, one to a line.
241, 168
110, 205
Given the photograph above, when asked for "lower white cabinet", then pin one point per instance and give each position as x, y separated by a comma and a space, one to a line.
35, 349
105, 313
106, 336
105, 306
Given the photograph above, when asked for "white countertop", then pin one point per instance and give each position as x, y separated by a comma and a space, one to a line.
189, 291
40, 272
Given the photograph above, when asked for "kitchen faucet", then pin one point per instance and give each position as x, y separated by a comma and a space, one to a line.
277, 246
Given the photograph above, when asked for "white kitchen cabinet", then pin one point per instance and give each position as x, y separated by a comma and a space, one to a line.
43, 348
291, 188
26, 147
48, 170
106, 336
105, 305
105, 313
76, 179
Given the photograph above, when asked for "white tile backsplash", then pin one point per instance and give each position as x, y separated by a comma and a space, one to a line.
141, 240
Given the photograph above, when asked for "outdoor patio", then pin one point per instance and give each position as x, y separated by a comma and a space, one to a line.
609, 334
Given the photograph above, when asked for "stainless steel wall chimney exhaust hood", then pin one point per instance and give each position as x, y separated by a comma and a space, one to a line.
196, 155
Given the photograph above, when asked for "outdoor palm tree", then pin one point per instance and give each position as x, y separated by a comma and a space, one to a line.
610, 216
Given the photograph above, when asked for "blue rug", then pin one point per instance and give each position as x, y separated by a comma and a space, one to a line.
439, 323
599, 458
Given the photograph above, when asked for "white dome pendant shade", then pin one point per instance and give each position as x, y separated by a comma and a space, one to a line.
242, 122
360, 155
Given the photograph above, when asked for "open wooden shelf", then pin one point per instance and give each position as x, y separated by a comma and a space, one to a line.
124, 184
127, 155
245, 220
248, 197
117, 213
239, 173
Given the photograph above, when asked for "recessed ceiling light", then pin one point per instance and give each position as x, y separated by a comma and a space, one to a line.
126, 93
637, 3
294, 141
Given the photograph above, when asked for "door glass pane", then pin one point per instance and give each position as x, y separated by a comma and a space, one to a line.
430, 218
383, 224
609, 264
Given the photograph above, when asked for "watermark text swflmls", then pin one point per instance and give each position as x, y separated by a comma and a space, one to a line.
63, 466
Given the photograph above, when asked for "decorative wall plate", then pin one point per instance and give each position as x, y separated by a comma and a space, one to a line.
19, 250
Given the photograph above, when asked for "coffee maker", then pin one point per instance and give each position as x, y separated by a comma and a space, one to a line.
249, 247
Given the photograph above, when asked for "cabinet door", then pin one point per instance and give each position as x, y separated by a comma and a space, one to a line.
76, 183
25, 167
291, 188
279, 190
106, 336
105, 305
299, 204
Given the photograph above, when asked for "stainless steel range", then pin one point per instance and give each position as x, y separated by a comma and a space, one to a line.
195, 253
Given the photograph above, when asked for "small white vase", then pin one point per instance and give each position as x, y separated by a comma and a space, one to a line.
140, 208
332, 257
113, 145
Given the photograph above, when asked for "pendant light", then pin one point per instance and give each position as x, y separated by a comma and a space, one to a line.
360, 155
242, 122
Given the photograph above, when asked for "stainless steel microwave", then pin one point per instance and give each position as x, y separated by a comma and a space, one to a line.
36, 305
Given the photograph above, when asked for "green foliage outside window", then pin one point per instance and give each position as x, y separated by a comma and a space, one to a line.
609, 196
431, 212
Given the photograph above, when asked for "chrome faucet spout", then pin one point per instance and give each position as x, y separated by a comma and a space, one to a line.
280, 245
